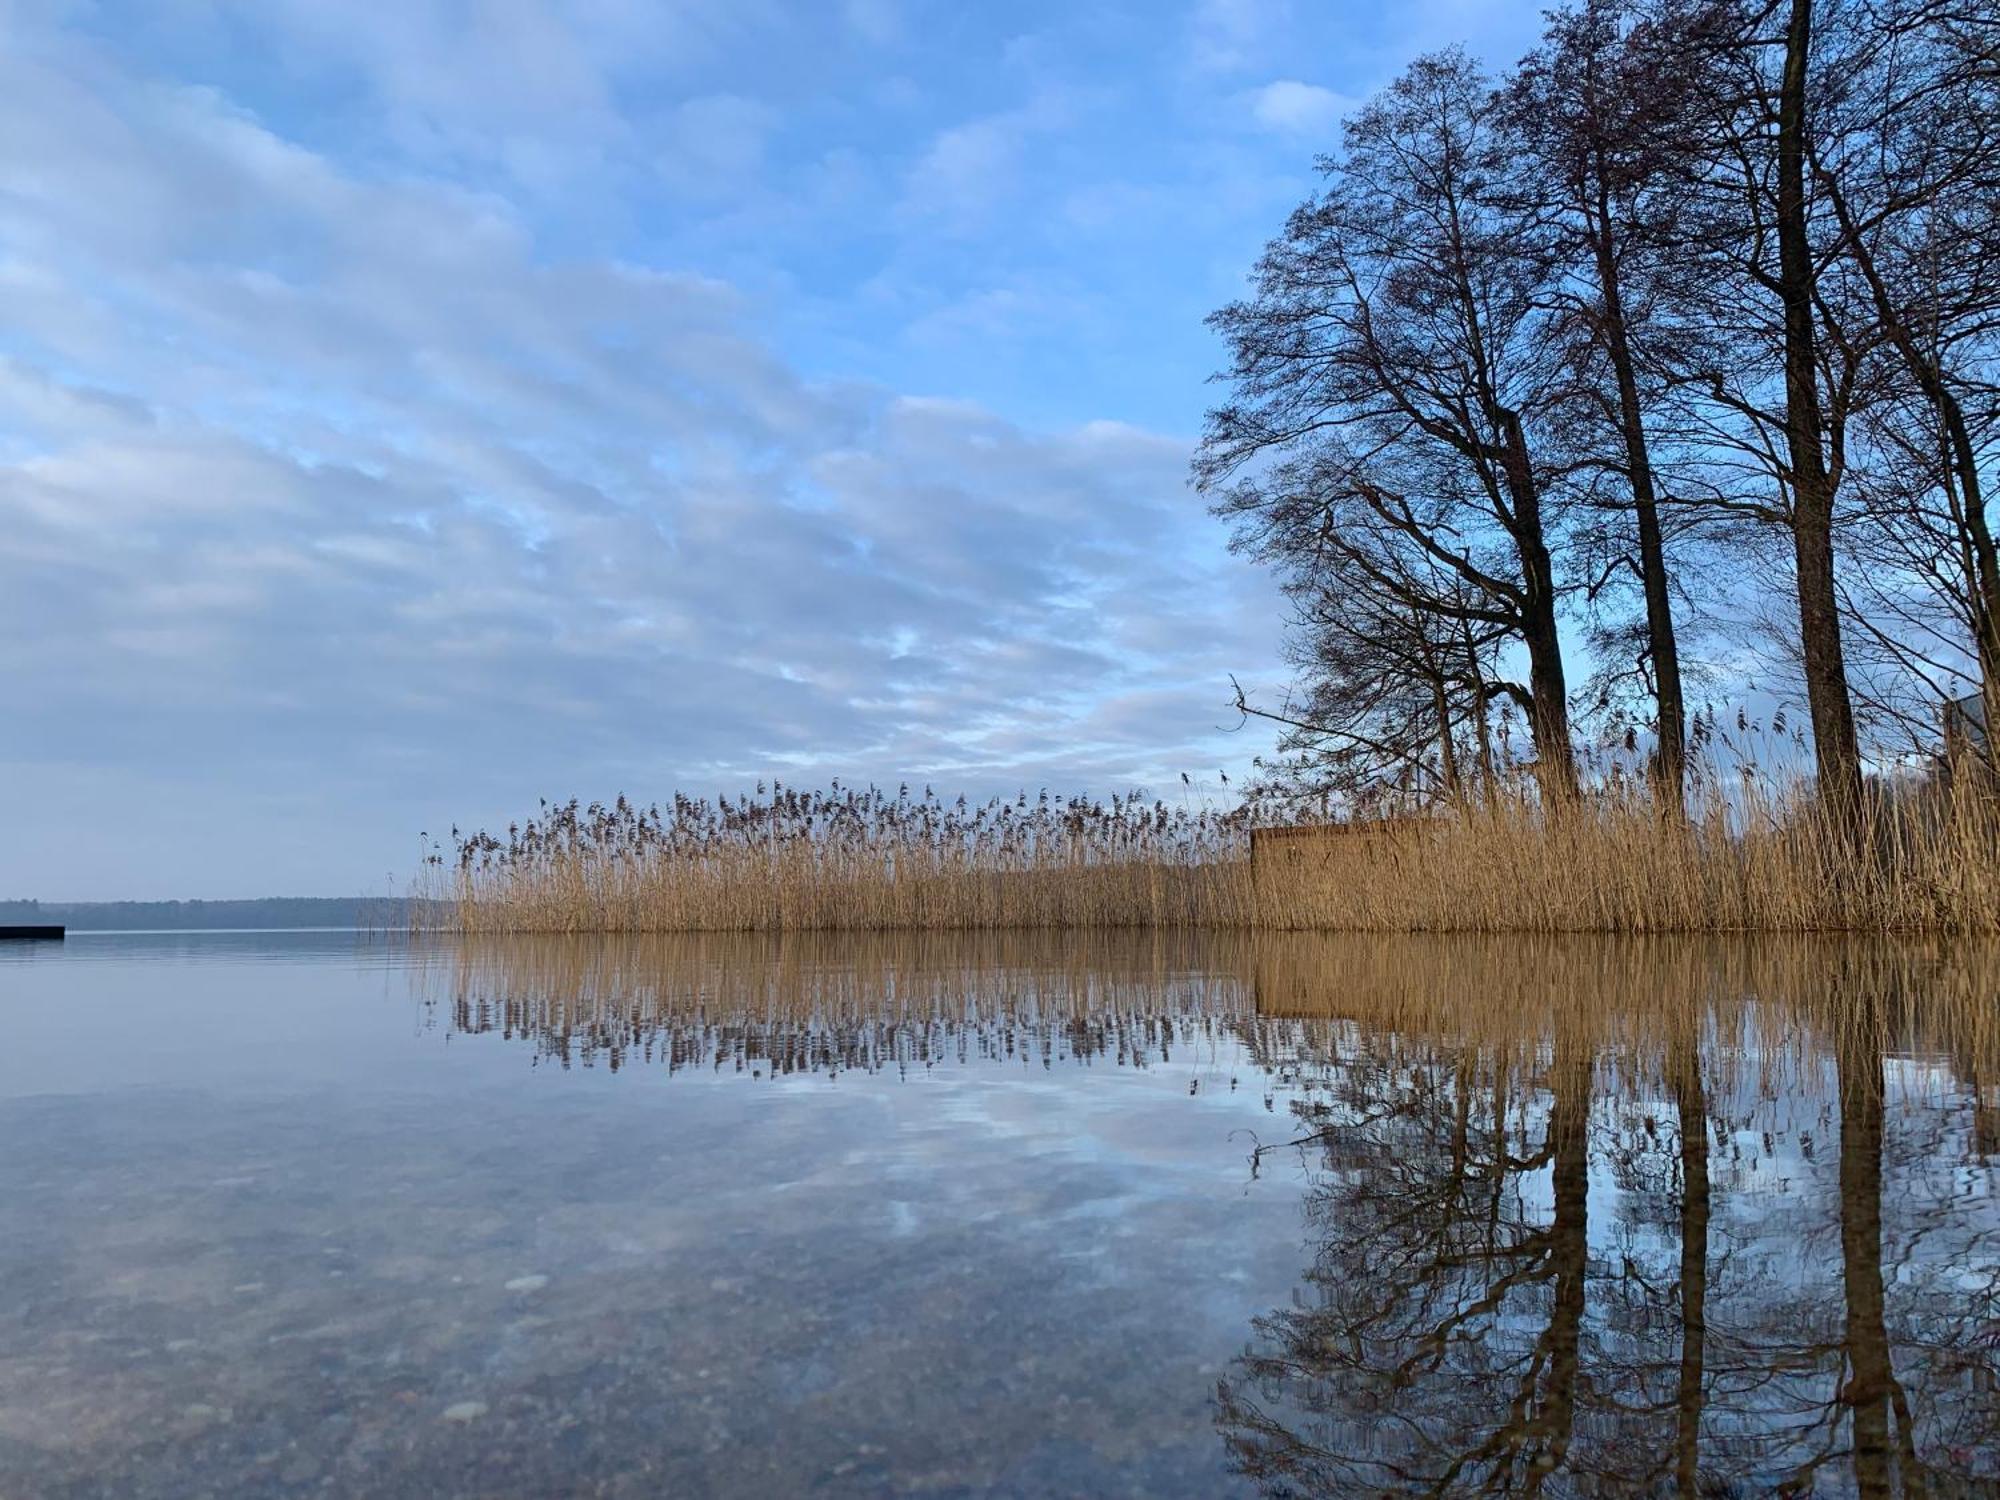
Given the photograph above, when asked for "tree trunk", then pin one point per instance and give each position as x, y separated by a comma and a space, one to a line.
1670, 755
1481, 698
1961, 463
1834, 745
1447, 751
1548, 691
1986, 582
1871, 1378
1978, 558
1689, 1390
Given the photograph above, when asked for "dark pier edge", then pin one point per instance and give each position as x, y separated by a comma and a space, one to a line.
47, 933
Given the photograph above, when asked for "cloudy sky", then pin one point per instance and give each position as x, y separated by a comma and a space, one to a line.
409, 410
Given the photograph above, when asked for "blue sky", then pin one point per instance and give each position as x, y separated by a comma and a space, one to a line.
410, 410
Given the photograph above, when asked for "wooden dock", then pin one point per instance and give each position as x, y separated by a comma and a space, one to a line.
52, 934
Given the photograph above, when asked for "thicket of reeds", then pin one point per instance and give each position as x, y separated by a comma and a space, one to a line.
847, 858
1750, 858
1759, 859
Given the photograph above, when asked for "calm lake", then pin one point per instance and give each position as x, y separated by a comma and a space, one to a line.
305, 1214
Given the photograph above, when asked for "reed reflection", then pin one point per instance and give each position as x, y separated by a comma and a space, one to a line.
772, 1005
1583, 1216
1671, 1219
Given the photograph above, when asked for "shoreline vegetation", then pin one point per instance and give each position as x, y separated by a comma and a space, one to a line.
252, 914
845, 858
1917, 860
1663, 357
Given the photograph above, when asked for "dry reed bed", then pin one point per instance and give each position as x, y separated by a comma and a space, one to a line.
847, 859
1608, 862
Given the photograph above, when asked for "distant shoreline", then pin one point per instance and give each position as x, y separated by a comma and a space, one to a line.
252, 914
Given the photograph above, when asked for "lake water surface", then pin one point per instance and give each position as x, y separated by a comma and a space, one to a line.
312, 1214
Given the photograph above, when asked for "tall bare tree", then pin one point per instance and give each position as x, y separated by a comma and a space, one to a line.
1595, 110
1812, 450
1910, 172
1698, 269
1782, 363
1387, 376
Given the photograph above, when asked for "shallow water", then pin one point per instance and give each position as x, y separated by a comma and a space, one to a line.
309, 1214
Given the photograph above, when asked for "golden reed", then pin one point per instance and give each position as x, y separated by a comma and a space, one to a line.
845, 859
1610, 862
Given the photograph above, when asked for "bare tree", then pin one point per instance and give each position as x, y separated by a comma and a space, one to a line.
1394, 706
1701, 272
1771, 353
1595, 108
1911, 176
1386, 377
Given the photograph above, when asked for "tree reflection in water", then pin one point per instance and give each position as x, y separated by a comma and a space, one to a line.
1586, 1216
1595, 1219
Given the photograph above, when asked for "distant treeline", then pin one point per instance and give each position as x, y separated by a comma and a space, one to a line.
264, 912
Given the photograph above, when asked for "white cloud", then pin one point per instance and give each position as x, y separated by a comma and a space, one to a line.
879, 22
1229, 35
335, 492
716, 143
969, 174
1299, 109
966, 171
996, 315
